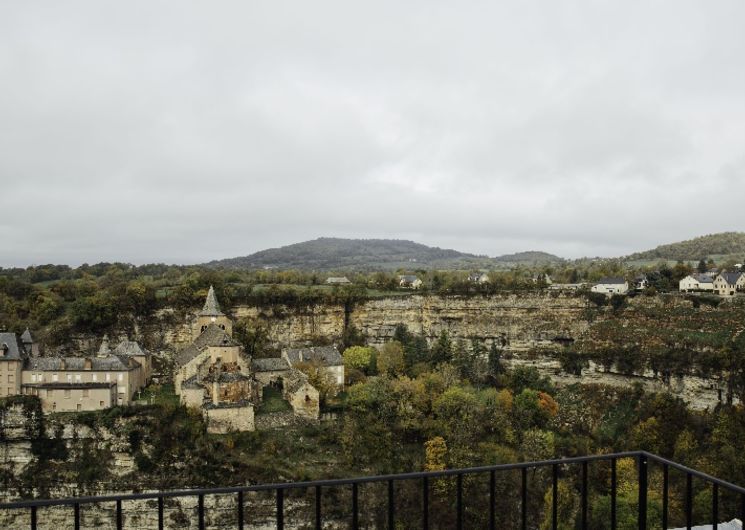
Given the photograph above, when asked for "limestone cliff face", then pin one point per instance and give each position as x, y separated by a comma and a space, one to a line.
518, 321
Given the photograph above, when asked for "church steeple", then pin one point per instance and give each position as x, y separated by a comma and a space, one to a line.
211, 305
212, 314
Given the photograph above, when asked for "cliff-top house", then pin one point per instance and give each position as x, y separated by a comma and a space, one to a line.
73, 384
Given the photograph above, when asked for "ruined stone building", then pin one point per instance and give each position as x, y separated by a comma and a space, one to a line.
215, 375
70, 384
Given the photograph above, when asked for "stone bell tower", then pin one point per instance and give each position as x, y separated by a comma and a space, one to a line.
211, 314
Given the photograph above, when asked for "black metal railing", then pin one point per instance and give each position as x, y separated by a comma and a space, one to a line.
427, 480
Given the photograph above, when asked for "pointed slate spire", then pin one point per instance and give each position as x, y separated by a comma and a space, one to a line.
211, 306
104, 350
26, 337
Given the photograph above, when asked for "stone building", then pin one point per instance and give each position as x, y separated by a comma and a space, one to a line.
327, 358
70, 384
214, 374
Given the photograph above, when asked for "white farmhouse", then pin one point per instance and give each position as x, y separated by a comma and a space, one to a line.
611, 286
729, 283
697, 282
409, 281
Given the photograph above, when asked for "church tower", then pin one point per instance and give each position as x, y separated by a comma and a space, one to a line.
211, 314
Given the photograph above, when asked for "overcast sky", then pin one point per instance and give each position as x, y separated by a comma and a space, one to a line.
182, 132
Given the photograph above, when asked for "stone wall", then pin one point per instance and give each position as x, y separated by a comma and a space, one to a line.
224, 419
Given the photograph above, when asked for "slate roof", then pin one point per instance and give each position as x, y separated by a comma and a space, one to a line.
129, 348
211, 305
226, 377
326, 355
115, 363
408, 278
15, 351
272, 364
26, 337
191, 383
611, 281
731, 277
294, 381
214, 335
704, 277
187, 354
62, 385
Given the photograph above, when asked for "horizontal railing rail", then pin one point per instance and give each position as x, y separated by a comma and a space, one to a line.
643, 460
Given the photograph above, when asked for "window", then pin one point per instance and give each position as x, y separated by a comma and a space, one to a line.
55, 377
33, 378
108, 377
120, 377
77, 377
11, 379
54, 406
95, 377
79, 407
100, 404
69, 378
67, 393
86, 392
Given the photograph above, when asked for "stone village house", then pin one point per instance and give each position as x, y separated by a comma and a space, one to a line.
214, 374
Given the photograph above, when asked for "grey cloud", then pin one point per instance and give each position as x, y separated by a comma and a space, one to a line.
140, 132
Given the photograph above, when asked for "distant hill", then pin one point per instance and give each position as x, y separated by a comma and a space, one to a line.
531, 256
723, 244
329, 253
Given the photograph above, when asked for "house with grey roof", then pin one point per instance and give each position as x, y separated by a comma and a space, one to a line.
73, 383
611, 285
327, 358
729, 283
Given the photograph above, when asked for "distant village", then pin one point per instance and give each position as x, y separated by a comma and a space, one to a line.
216, 376
213, 374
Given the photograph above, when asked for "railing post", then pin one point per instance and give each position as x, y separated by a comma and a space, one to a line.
524, 507
665, 493
715, 506
77, 516
33, 518
554, 497
318, 507
200, 511
240, 510
118, 514
584, 495
160, 513
613, 491
425, 503
280, 509
642, 492
689, 501
391, 506
459, 502
492, 499
355, 508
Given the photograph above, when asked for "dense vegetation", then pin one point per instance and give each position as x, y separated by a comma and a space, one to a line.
328, 254
704, 247
414, 407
